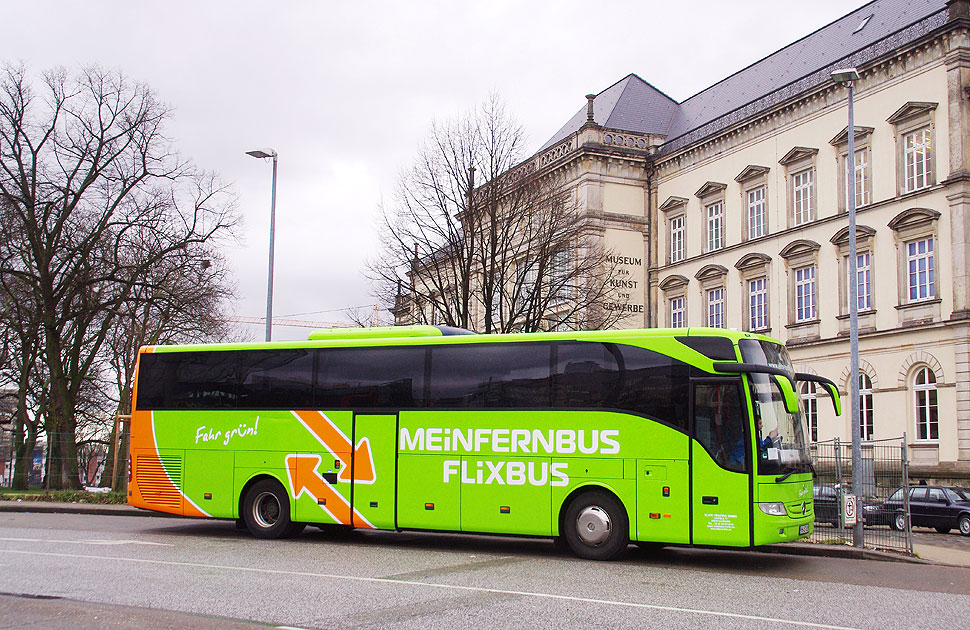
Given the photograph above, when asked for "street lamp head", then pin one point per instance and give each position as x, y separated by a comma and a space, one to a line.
845, 75
262, 153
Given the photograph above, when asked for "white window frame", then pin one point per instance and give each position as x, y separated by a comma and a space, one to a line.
863, 281
715, 307
922, 395
715, 225
866, 425
918, 290
803, 188
677, 312
806, 291
678, 238
862, 178
559, 271
757, 204
809, 394
758, 303
917, 159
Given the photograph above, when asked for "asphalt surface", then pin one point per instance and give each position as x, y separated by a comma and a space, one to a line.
170, 572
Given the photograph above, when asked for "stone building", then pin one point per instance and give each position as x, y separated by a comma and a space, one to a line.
729, 209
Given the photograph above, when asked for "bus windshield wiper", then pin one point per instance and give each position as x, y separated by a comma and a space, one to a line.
785, 476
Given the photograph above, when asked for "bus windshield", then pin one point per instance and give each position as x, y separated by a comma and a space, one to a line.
779, 435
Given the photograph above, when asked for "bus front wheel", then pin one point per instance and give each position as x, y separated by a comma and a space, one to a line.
596, 526
266, 511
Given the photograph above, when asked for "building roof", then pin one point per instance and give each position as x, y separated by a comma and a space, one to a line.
631, 104
634, 105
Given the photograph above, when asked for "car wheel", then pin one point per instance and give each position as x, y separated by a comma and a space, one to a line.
899, 521
266, 511
943, 530
596, 526
964, 524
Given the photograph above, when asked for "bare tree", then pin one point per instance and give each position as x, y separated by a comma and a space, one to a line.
99, 198
514, 253
182, 299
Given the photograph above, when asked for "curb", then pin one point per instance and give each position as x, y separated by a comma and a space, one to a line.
839, 551
103, 509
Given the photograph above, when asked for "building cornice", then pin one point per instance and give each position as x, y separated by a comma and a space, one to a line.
884, 69
812, 82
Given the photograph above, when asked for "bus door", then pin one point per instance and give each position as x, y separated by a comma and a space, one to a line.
374, 470
720, 464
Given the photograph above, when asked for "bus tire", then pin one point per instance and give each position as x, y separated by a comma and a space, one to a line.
596, 526
266, 511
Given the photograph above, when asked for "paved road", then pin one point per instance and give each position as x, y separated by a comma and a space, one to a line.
158, 572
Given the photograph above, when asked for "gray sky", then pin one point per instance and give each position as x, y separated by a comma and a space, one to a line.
346, 92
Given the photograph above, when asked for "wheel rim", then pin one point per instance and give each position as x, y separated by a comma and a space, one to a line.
593, 525
266, 510
900, 521
965, 526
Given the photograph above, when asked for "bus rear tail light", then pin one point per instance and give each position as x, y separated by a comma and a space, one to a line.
129, 467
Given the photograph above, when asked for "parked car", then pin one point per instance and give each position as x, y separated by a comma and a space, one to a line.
940, 507
828, 505
826, 498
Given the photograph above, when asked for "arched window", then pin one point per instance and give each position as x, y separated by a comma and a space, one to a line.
927, 410
808, 395
865, 406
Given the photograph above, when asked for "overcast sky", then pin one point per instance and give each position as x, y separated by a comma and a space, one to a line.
345, 92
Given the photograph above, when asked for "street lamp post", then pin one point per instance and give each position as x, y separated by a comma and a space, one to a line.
847, 77
269, 153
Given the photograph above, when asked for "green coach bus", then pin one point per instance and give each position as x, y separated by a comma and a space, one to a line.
667, 436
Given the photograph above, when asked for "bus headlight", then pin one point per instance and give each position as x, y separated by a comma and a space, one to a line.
773, 509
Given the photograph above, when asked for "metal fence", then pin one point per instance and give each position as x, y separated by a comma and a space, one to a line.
884, 470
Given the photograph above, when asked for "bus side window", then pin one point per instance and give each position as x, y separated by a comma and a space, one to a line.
370, 377
586, 376
275, 379
719, 423
490, 376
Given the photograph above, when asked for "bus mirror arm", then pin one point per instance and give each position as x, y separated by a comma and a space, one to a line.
829, 386
782, 377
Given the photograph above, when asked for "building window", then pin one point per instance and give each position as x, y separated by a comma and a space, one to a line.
715, 226
914, 125
861, 184
559, 277
863, 282
757, 215
805, 294
715, 307
678, 234
758, 303
810, 400
678, 312
919, 269
918, 168
865, 406
802, 194
927, 411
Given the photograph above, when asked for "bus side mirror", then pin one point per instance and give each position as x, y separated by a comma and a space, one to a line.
787, 392
829, 386
836, 399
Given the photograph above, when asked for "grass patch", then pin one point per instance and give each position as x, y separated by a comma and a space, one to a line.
63, 496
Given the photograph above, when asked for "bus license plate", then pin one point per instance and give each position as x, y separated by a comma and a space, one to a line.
802, 530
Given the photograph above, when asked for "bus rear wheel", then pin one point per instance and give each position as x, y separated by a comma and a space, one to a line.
266, 511
596, 526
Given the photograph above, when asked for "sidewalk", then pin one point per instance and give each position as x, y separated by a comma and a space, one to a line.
926, 553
